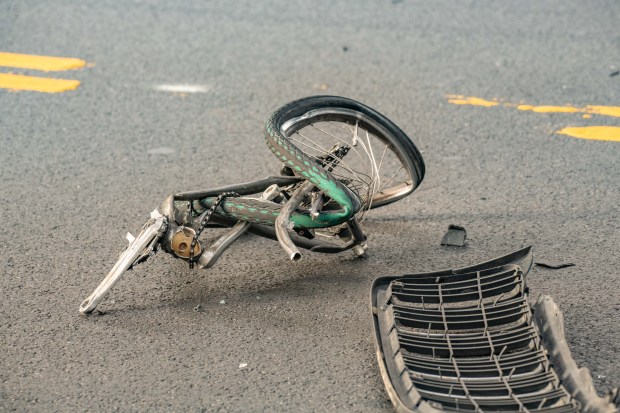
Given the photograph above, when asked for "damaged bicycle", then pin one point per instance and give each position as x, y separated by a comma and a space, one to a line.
338, 159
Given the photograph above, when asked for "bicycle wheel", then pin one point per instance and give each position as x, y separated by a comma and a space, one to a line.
376, 161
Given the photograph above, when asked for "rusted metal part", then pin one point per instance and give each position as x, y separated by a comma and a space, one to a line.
181, 241
357, 237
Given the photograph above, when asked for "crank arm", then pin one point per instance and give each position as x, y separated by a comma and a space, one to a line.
139, 250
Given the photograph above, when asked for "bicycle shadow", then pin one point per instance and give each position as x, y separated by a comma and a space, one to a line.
216, 291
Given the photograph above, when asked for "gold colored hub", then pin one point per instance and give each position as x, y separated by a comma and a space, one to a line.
182, 243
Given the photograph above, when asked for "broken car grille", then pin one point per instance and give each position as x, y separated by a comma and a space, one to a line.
466, 340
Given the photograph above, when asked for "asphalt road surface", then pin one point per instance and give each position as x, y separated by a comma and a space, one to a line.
81, 168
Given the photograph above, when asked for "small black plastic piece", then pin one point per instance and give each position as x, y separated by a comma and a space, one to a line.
455, 236
553, 266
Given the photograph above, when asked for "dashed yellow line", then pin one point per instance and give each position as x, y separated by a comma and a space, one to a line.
37, 84
16, 82
462, 100
549, 109
602, 133
597, 133
590, 109
44, 63
604, 110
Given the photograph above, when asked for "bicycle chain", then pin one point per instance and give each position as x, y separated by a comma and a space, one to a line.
206, 216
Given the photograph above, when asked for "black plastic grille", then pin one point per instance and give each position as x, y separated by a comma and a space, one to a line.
466, 341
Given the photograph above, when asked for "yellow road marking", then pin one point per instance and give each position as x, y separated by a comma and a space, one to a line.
590, 109
549, 109
604, 110
45, 63
38, 84
599, 133
462, 100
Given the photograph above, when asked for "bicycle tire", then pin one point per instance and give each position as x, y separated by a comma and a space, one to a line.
296, 115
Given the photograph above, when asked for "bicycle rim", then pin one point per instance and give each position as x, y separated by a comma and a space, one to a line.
376, 167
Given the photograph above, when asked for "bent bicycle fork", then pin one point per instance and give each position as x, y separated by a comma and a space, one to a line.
171, 229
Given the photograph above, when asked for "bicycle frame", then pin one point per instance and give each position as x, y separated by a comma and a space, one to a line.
352, 235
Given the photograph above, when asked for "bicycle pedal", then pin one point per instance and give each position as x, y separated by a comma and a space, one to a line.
360, 250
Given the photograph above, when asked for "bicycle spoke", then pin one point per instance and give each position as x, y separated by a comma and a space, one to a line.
341, 162
317, 148
383, 156
392, 177
339, 140
377, 181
